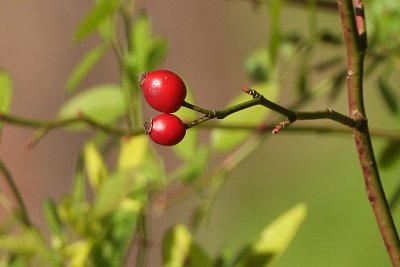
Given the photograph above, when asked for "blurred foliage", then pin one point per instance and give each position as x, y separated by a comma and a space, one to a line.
103, 230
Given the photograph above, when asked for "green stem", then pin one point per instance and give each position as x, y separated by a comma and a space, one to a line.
17, 195
43, 126
353, 23
143, 235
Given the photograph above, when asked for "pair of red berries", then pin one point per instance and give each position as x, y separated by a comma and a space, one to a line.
165, 91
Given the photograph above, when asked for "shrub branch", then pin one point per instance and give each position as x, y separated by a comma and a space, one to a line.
353, 22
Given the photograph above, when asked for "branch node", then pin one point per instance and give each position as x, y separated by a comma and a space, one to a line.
280, 126
251, 92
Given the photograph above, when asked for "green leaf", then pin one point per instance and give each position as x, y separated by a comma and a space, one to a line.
273, 240
96, 16
147, 51
79, 188
258, 65
52, 218
114, 191
388, 95
157, 52
102, 103
119, 230
141, 41
187, 148
85, 66
95, 167
194, 168
5, 91
225, 140
179, 249
390, 154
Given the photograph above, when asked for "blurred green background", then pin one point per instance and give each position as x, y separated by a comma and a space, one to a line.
209, 41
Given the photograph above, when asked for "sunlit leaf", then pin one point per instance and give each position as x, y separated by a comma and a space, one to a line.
179, 248
133, 151
85, 66
273, 240
97, 15
25, 242
95, 167
103, 103
5, 91
78, 253
224, 140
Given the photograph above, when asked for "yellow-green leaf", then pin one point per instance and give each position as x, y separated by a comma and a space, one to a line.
132, 152
179, 248
103, 103
5, 91
273, 240
95, 167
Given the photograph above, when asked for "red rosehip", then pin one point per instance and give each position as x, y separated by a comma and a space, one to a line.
166, 129
163, 90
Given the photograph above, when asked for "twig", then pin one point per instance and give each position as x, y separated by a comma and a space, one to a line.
17, 195
353, 23
259, 99
43, 126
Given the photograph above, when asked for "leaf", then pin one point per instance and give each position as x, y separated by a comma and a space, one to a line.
102, 103
390, 154
388, 95
119, 229
157, 52
26, 242
5, 91
114, 191
147, 51
78, 253
194, 168
258, 65
96, 16
141, 42
187, 148
132, 153
179, 249
225, 140
85, 66
79, 188
95, 167
52, 218
273, 240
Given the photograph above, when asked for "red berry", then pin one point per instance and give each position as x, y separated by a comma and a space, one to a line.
166, 129
163, 90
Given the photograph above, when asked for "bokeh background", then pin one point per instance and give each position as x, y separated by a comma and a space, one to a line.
209, 41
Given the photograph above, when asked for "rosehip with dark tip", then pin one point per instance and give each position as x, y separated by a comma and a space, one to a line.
164, 90
166, 129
